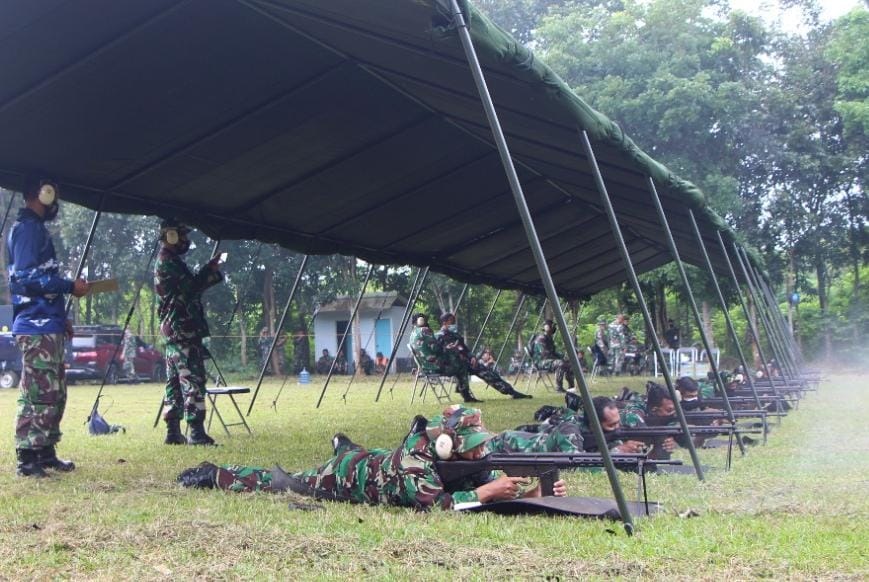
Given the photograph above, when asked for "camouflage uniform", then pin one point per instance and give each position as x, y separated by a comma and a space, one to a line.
406, 476
39, 326
129, 355
182, 323
545, 357
42, 395
564, 437
618, 342
452, 342
434, 359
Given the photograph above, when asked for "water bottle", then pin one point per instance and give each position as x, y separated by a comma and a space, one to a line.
304, 376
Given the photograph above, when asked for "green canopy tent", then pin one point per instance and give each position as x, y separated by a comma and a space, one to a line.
336, 127
327, 127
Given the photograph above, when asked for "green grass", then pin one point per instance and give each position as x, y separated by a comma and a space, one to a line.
796, 508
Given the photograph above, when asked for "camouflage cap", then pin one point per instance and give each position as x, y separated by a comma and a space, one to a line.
467, 423
601, 319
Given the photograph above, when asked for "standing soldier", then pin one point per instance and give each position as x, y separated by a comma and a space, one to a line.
130, 356
434, 358
601, 342
39, 326
618, 342
182, 323
545, 357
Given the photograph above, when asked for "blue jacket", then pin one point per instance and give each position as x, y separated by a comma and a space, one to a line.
37, 289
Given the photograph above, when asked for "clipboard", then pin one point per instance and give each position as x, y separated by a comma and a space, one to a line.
103, 286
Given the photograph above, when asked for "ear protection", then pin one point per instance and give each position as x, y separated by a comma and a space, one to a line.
47, 193
171, 237
446, 442
420, 321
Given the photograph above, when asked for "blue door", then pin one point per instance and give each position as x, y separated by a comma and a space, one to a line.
383, 336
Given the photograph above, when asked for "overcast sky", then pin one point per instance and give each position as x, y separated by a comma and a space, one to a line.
771, 10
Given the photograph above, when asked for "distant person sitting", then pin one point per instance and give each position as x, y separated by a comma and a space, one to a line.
341, 363
324, 363
487, 359
366, 364
380, 363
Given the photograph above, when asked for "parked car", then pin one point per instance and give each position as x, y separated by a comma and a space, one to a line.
89, 356
10, 361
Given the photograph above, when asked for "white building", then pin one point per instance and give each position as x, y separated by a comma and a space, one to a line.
379, 321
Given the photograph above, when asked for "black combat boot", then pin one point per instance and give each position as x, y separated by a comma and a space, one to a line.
28, 464
48, 459
518, 395
174, 436
468, 396
198, 436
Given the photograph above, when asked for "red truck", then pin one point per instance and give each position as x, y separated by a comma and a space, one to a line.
89, 356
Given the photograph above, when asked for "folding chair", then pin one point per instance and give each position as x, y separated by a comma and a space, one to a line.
433, 381
538, 374
231, 391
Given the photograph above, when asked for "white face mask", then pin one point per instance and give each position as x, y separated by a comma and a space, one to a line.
453, 327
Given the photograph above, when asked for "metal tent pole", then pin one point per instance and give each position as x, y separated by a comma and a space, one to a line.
724, 309
461, 298
537, 250
528, 350
750, 323
485, 322
784, 331
367, 344
697, 318
635, 284
87, 247
519, 305
765, 320
346, 331
415, 289
6, 214
262, 372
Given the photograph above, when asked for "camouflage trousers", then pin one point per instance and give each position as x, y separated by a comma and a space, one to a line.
492, 378
346, 475
617, 359
185, 382
562, 370
42, 392
564, 438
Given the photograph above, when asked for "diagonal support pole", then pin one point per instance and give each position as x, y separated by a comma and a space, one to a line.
724, 309
641, 300
485, 322
677, 259
87, 247
262, 373
537, 250
415, 291
346, 331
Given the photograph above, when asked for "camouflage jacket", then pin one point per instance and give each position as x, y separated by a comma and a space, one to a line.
601, 339
182, 317
428, 348
406, 476
453, 342
543, 348
618, 335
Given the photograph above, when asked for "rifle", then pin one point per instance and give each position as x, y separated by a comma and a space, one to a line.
654, 435
544, 466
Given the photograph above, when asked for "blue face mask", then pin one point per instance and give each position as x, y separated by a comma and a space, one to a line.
453, 328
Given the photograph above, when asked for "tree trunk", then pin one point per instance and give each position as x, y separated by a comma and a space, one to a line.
706, 312
242, 332
823, 301
269, 313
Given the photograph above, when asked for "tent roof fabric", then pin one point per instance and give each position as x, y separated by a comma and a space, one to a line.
329, 126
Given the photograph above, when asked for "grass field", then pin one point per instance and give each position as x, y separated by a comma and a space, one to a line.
796, 508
